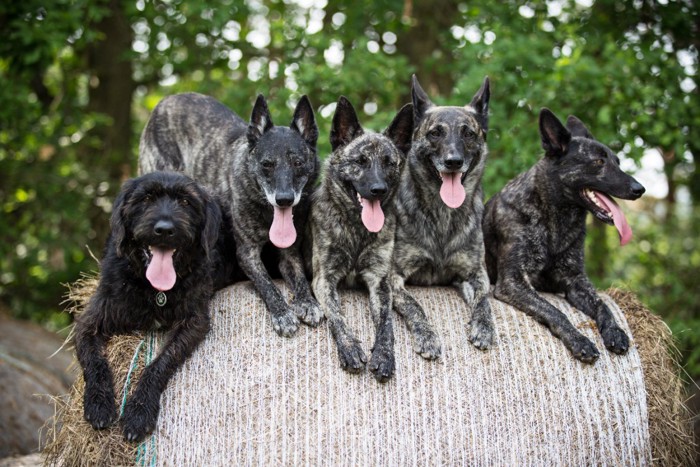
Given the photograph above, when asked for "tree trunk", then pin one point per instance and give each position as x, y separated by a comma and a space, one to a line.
424, 42
111, 89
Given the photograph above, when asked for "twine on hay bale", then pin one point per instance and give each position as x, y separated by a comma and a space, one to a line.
249, 397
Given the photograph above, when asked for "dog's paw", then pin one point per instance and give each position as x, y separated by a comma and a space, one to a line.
308, 311
583, 349
481, 334
426, 343
382, 364
615, 340
100, 410
139, 418
352, 358
285, 324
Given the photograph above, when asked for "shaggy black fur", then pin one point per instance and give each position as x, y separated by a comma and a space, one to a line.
155, 212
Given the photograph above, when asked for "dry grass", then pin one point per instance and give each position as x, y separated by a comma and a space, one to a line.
670, 424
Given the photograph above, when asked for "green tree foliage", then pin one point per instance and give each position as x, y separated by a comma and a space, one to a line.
80, 78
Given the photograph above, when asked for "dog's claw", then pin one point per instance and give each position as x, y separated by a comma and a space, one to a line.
101, 412
481, 335
382, 364
427, 344
308, 311
139, 418
615, 340
585, 350
285, 325
352, 358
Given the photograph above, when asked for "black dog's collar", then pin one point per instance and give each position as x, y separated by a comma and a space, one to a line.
161, 299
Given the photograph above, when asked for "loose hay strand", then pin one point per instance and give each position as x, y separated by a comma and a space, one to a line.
670, 420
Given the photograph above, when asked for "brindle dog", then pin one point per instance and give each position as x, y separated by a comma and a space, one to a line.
535, 228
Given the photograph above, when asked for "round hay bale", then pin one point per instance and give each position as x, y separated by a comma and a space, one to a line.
248, 396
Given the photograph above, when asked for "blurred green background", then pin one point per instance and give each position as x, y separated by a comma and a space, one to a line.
80, 77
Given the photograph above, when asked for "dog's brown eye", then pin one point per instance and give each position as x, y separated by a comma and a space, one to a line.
599, 162
435, 133
184, 202
267, 164
298, 163
147, 198
468, 133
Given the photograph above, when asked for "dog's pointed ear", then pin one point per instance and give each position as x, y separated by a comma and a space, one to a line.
555, 137
421, 101
212, 222
304, 122
345, 126
577, 128
400, 131
480, 103
117, 219
260, 121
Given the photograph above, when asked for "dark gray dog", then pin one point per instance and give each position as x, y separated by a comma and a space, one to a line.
261, 171
439, 211
535, 229
353, 223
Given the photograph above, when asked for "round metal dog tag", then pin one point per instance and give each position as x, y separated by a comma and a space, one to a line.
161, 299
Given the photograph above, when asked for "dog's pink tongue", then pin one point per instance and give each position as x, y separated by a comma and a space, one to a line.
282, 231
160, 272
372, 214
452, 192
619, 219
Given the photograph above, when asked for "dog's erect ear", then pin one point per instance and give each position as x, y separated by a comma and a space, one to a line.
345, 126
400, 131
480, 103
117, 219
212, 223
555, 137
260, 120
577, 128
421, 101
304, 122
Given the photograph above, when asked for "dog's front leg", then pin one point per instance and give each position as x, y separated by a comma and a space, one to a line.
284, 322
382, 361
474, 292
581, 294
304, 305
425, 340
141, 410
99, 407
513, 288
352, 358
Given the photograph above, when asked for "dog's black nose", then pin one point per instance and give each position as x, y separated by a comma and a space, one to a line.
637, 189
284, 200
454, 162
164, 227
378, 189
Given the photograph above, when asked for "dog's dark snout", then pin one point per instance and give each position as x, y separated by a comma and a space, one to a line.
378, 189
284, 200
637, 189
454, 162
164, 228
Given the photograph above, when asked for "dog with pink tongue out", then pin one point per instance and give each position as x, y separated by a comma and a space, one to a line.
262, 173
439, 212
535, 229
353, 221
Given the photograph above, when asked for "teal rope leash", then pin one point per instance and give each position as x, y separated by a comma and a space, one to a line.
144, 448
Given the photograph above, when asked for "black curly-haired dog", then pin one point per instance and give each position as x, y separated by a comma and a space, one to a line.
163, 260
